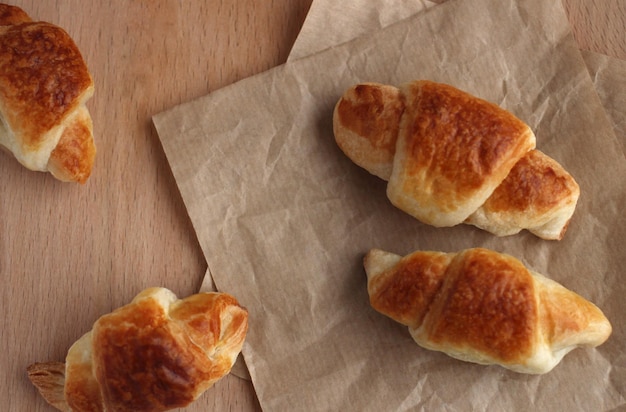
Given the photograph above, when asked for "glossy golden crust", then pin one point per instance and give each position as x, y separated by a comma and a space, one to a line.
82, 391
73, 157
460, 139
447, 163
569, 319
453, 150
10, 15
531, 183
224, 333
132, 349
488, 308
536, 192
154, 354
488, 304
405, 292
43, 77
367, 119
44, 84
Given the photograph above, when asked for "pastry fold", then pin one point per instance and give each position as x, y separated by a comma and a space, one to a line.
44, 85
452, 158
155, 354
482, 306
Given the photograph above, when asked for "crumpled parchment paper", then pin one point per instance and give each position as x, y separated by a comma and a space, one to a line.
284, 218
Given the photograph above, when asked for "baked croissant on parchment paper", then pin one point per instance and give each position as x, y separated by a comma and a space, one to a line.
483, 306
155, 354
44, 84
452, 158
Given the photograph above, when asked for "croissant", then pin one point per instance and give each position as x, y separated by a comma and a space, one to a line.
44, 84
484, 307
155, 354
452, 158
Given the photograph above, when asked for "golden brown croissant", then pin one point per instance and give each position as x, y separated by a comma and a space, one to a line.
44, 84
484, 307
155, 354
453, 158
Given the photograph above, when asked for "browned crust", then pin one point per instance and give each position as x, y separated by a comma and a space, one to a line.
536, 183
405, 292
135, 363
500, 184
82, 394
568, 318
11, 15
209, 331
73, 157
372, 112
461, 141
154, 354
43, 77
488, 307
145, 361
487, 304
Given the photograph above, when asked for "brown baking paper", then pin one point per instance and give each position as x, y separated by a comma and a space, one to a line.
284, 218
609, 78
330, 23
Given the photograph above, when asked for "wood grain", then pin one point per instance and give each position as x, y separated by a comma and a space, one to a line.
70, 253
599, 26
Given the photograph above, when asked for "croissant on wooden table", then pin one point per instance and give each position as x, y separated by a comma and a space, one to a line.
482, 306
44, 85
452, 158
155, 354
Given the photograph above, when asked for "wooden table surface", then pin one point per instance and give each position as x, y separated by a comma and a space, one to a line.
70, 253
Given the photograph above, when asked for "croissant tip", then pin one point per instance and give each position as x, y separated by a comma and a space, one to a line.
377, 261
49, 379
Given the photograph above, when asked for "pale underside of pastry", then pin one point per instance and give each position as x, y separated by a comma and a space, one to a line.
452, 158
484, 307
44, 87
155, 354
